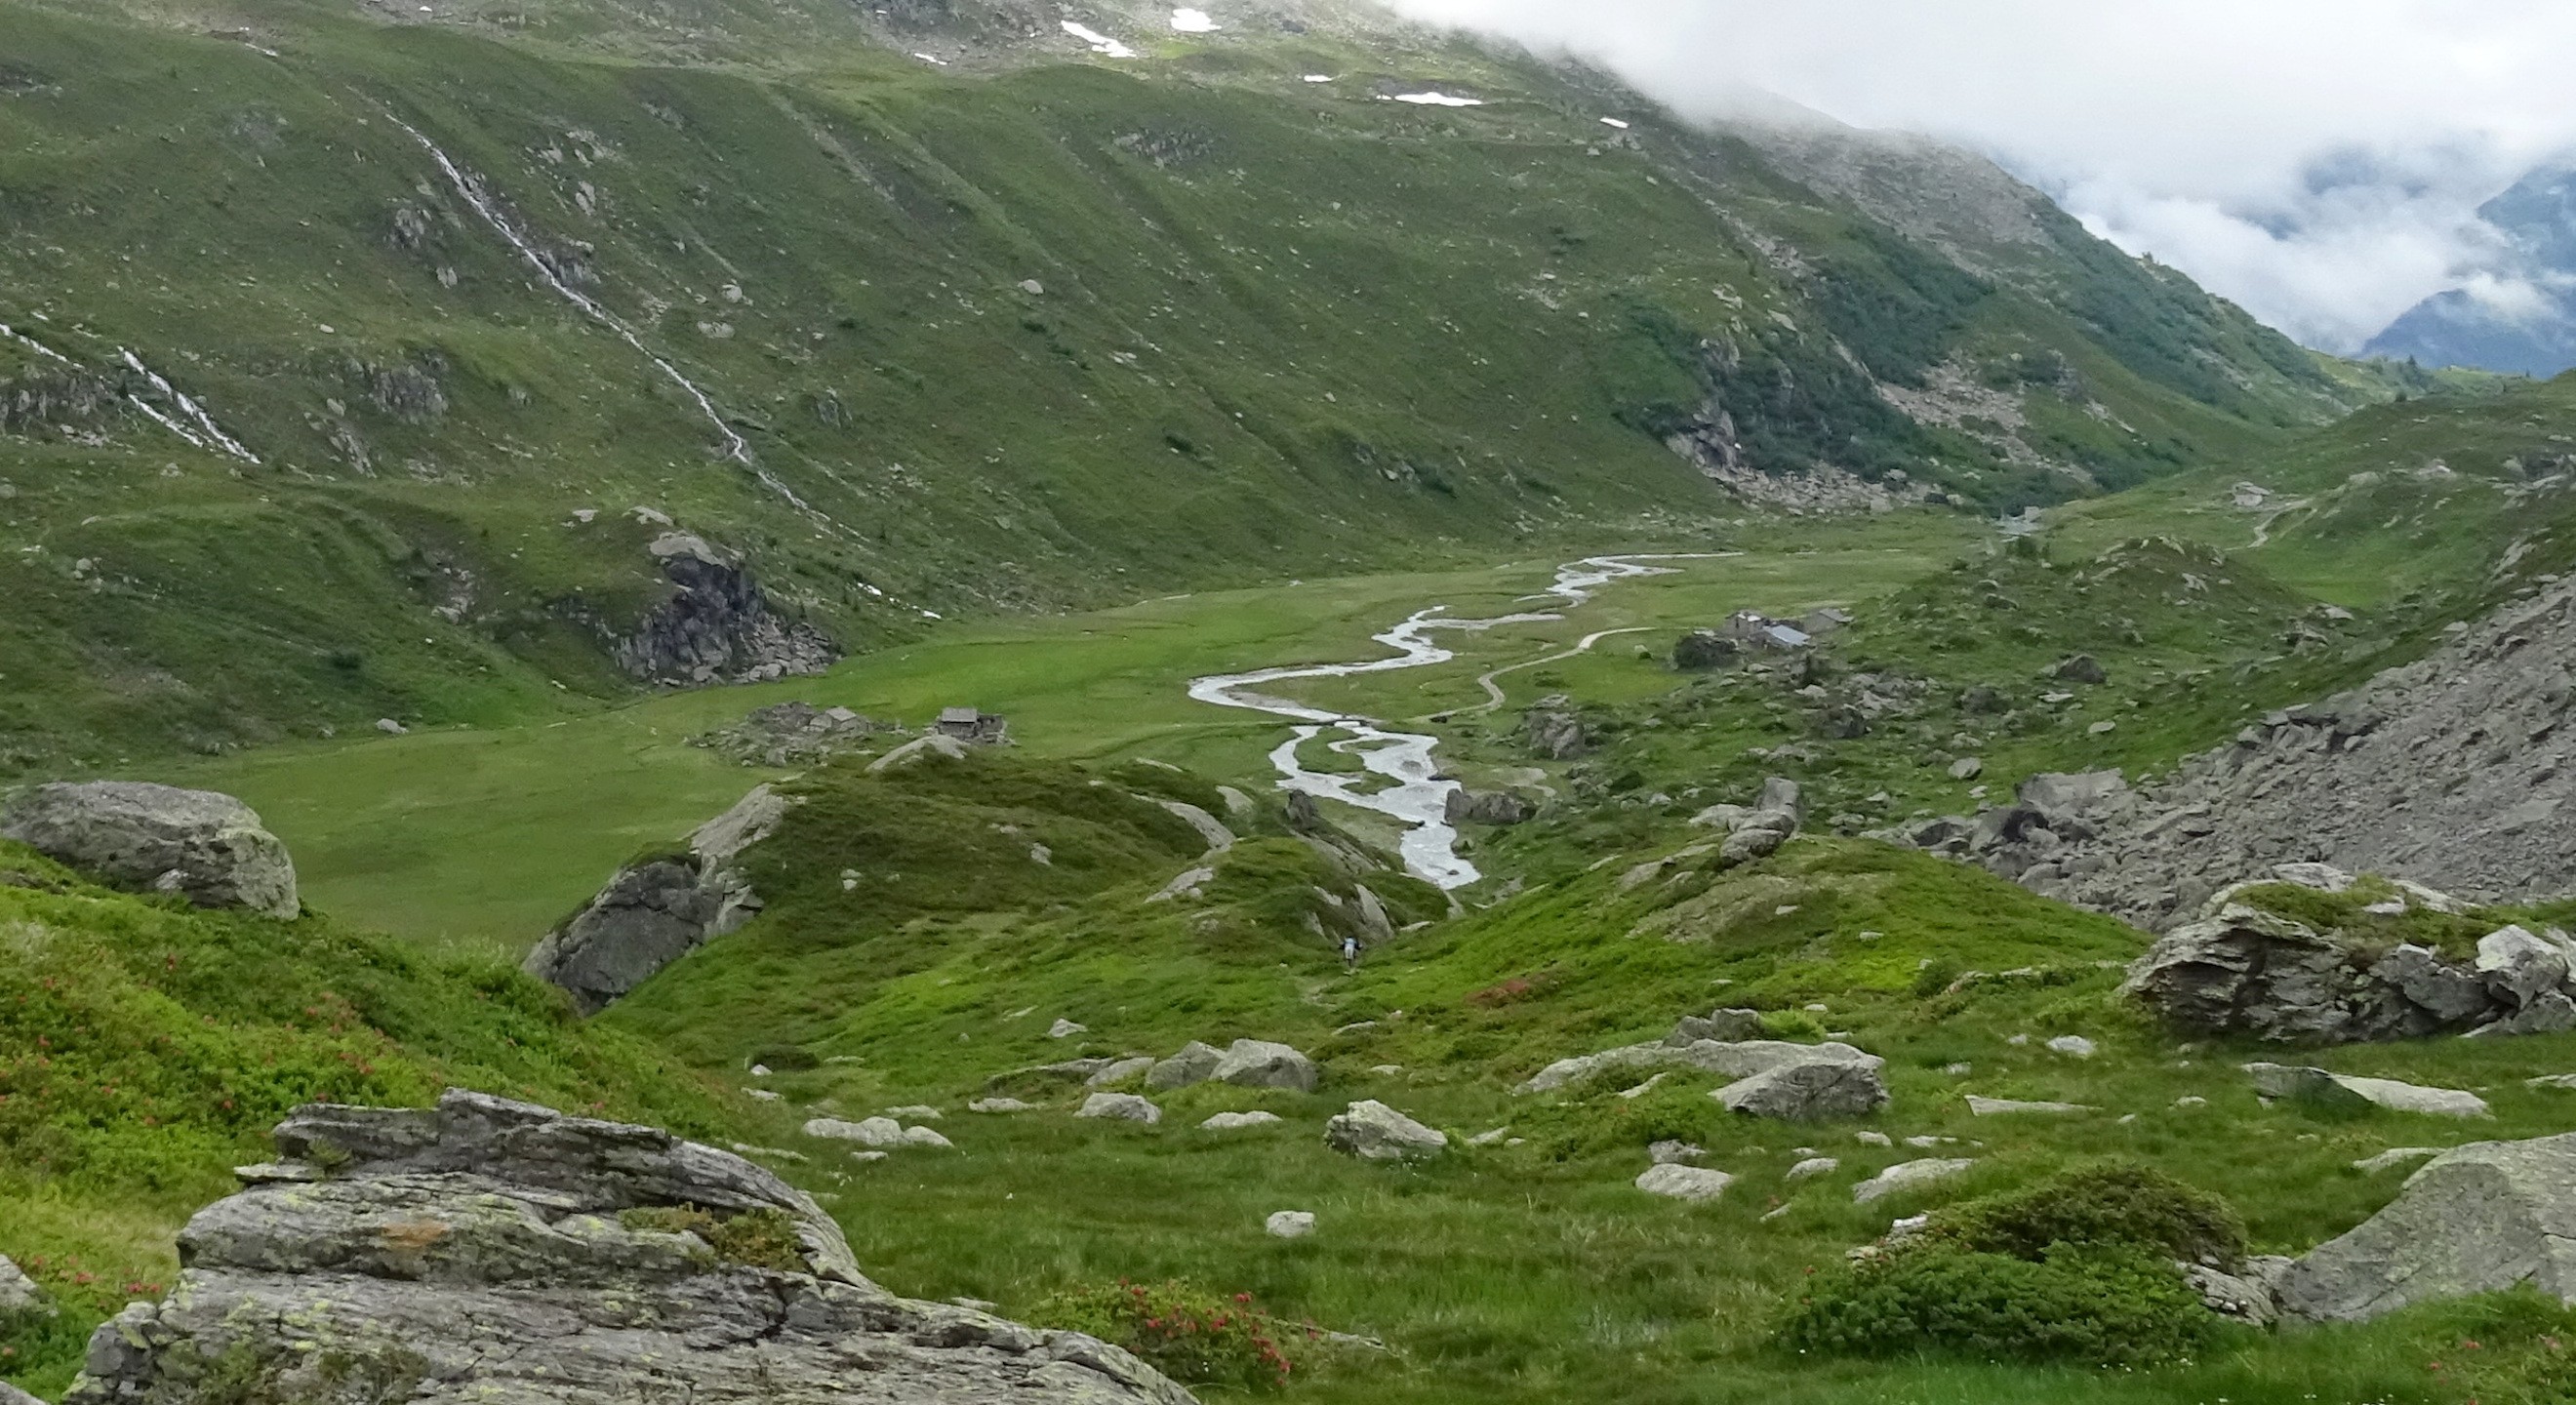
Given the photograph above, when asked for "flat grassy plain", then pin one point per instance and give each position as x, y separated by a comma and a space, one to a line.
478, 839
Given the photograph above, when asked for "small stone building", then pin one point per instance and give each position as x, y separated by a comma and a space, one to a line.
968, 724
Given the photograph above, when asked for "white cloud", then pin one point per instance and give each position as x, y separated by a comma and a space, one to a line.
2317, 160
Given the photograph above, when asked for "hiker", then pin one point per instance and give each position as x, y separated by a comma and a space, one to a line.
1350, 954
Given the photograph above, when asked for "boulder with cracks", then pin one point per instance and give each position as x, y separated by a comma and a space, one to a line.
657, 911
487, 1250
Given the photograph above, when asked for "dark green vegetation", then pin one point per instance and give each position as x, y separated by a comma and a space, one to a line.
1284, 329
1190, 1334
2078, 1267
763, 1238
149, 1047
1281, 330
1514, 1271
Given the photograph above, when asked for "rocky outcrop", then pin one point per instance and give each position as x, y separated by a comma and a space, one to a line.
1246, 1063
1372, 1131
1704, 649
2320, 1087
19, 1295
789, 734
2476, 1219
1120, 1107
1259, 1063
493, 1251
1494, 807
1757, 830
1555, 730
1809, 1090
206, 847
2447, 770
2244, 972
655, 912
1195, 1063
718, 626
1772, 1078
1695, 1184
1910, 1175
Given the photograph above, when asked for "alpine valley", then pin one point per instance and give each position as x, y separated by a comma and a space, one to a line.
980, 700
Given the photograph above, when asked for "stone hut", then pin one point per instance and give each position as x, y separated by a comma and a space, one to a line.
968, 724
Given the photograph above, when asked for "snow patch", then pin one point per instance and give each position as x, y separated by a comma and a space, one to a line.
1192, 22
932, 58
1100, 43
1438, 99
1614, 122
1319, 78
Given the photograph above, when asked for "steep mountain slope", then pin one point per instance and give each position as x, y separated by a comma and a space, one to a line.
2537, 336
364, 365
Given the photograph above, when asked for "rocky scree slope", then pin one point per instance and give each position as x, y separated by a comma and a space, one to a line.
404, 342
2448, 770
486, 1249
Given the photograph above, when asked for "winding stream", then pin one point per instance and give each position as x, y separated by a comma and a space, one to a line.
1417, 797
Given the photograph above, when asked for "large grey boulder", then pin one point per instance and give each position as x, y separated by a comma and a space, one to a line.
1258, 1063
1909, 1175
210, 849
2249, 973
19, 1295
1194, 1064
1722, 1025
2520, 966
1734, 1058
1809, 1090
653, 913
718, 625
1494, 807
1120, 1107
492, 1251
1554, 730
2317, 1085
1372, 1131
2475, 1219
1674, 1181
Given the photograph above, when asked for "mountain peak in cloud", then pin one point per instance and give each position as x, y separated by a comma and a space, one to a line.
2520, 314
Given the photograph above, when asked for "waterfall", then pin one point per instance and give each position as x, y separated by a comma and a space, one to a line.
472, 193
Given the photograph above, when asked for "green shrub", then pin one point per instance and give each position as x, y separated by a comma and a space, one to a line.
1792, 1024
753, 1238
2078, 1267
2112, 1305
41, 1350
1934, 976
2115, 1203
1186, 1332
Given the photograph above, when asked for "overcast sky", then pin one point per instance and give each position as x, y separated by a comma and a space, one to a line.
2318, 161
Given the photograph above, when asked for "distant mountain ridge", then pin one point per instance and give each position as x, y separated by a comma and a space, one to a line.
379, 363
2457, 328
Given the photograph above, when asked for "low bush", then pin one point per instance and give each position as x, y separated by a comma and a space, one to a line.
2113, 1203
1186, 1332
753, 1238
2079, 1267
2111, 1305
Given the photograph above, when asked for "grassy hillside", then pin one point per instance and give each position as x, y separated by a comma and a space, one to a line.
1526, 1269
1281, 329
148, 1047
